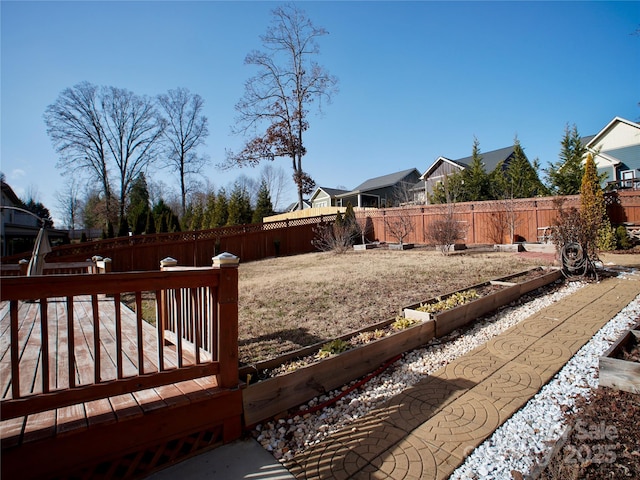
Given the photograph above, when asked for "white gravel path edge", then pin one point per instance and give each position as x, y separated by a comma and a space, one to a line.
285, 438
525, 442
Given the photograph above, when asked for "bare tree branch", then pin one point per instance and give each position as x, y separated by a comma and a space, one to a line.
186, 129
280, 95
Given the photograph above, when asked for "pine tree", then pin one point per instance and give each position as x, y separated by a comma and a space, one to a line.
565, 176
209, 211
166, 220
150, 227
264, 207
221, 210
239, 207
518, 178
197, 219
451, 190
475, 180
138, 205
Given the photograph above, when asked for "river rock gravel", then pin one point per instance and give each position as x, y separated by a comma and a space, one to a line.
286, 437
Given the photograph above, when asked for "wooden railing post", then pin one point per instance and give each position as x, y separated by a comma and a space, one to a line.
228, 319
24, 265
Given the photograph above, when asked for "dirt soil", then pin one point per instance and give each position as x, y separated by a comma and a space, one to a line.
604, 442
290, 302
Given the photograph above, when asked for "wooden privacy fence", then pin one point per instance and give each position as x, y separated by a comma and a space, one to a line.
291, 237
144, 252
490, 222
69, 339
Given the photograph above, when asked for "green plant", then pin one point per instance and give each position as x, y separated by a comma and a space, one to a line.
452, 301
403, 323
607, 237
622, 237
333, 348
365, 337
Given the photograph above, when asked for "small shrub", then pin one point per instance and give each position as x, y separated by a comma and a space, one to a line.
452, 301
606, 240
623, 239
365, 337
403, 323
333, 348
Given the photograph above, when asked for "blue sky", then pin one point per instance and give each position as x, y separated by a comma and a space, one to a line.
417, 79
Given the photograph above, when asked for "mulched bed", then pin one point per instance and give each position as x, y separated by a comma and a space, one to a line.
631, 353
604, 442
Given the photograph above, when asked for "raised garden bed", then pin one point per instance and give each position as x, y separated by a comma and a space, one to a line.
489, 296
401, 246
620, 365
272, 395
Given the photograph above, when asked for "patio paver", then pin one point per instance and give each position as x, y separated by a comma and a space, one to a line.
428, 430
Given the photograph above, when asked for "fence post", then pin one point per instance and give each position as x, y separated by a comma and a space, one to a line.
227, 318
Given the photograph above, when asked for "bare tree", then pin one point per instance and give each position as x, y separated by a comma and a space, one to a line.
69, 203
335, 236
399, 222
75, 125
281, 94
403, 194
275, 179
132, 130
445, 230
186, 129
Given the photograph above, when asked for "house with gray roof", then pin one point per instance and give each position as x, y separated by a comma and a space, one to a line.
325, 197
386, 191
444, 166
616, 151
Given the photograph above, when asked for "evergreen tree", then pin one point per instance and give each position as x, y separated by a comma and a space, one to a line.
166, 220
110, 232
220, 210
565, 176
209, 211
475, 180
197, 217
239, 207
150, 226
351, 223
138, 205
123, 227
451, 190
593, 210
264, 207
518, 179
40, 210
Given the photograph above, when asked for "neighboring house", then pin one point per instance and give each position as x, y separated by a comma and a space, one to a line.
616, 150
18, 230
444, 166
380, 192
295, 206
325, 197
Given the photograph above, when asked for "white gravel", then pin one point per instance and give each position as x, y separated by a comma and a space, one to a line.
286, 437
519, 444
525, 441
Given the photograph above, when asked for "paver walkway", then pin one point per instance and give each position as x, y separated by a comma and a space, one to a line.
428, 430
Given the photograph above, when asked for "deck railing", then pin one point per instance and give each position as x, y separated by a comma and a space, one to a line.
50, 268
85, 344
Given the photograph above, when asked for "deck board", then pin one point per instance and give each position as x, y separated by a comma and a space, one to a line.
99, 412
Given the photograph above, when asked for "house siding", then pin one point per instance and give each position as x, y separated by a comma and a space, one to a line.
438, 175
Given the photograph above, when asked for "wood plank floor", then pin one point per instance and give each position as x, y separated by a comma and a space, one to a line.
98, 412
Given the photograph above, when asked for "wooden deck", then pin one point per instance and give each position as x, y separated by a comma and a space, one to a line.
93, 347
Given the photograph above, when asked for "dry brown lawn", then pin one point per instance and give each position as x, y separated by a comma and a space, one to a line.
289, 302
